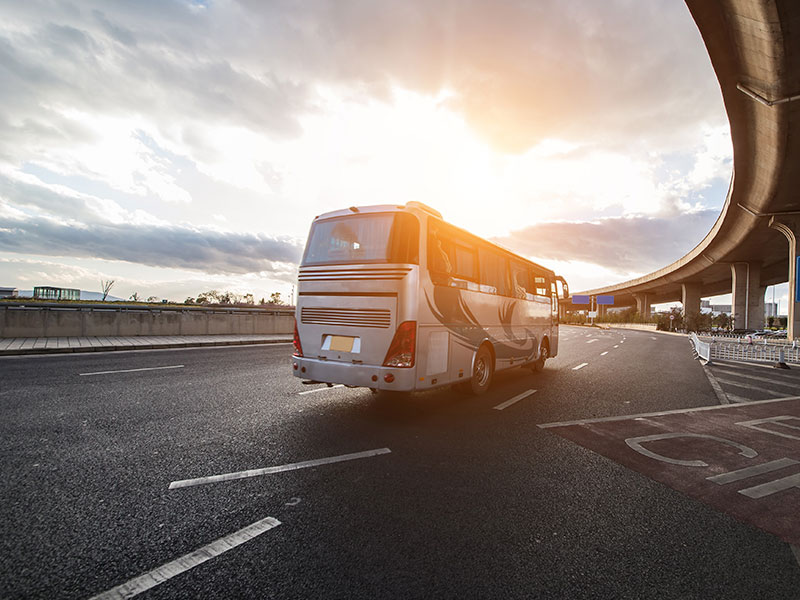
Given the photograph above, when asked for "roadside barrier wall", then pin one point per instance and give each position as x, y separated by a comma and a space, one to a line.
641, 326
93, 320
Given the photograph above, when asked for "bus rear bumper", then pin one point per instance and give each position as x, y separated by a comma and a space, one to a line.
370, 376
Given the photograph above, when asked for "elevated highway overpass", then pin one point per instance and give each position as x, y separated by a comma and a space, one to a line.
754, 46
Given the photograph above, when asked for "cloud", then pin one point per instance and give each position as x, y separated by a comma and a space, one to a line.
519, 72
54, 220
163, 246
624, 244
86, 274
170, 112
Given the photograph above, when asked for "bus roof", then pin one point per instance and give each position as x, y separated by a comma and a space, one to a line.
354, 210
419, 206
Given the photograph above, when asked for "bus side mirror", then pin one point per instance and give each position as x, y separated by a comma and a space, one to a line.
564, 287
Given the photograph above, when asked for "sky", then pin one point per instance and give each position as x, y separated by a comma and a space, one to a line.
179, 146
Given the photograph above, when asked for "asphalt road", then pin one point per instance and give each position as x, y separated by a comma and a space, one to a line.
469, 502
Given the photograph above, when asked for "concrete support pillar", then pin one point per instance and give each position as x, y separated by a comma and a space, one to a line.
690, 297
643, 304
790, 227
602, 310
747, 303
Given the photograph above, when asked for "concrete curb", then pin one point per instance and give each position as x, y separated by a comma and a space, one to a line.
198, 344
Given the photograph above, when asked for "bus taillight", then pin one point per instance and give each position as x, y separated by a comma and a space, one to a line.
403, 347
298, 348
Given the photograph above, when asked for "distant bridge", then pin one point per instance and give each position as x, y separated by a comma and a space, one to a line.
754, 47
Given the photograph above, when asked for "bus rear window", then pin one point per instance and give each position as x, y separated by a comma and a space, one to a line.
364, 238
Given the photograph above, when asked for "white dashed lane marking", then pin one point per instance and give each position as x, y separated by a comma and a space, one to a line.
580, 366
132, 370
604, 353
280, 469
320, 389
514, 400
149, 580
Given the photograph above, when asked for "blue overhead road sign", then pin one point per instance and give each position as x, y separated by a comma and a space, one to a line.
605, 299
580, 300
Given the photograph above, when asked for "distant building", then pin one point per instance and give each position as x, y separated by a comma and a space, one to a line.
770, 309
44, 292
714, 309
8, 292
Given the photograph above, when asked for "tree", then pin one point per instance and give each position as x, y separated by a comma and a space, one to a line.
135, 297
275, 298
152, 299
106, 285
189, 300
694, 321
721, 320
248, 299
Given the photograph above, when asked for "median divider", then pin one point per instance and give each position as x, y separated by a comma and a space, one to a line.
67, 345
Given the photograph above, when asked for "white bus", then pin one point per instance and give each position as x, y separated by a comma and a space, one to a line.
394, 298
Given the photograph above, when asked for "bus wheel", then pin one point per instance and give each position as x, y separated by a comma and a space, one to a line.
482, 371
544, 352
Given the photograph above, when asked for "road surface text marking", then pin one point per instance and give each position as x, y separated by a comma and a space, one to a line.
132, 370
738, 475
166, 572
515, 399
746, 386
657, 414
757, 378
580, 366
279, 469
320, 389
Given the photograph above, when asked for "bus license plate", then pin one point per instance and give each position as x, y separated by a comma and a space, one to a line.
341, 343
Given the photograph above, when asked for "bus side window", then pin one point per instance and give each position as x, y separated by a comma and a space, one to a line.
540, 284
465, 267
404, 241
520, 280
493, 271
439, 263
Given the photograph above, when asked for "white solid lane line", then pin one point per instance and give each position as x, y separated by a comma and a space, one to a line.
515, 399
580, 366
132, 370
320, 389
280, 469
142, 583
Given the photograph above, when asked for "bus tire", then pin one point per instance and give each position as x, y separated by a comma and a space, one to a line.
482, 371
544, 353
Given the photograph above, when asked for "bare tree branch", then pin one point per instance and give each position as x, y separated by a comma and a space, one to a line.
106, 285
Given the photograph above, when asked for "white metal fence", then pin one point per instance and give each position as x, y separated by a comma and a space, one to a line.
745, 349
